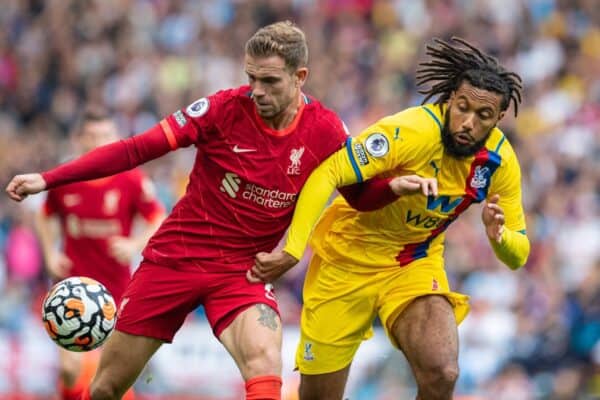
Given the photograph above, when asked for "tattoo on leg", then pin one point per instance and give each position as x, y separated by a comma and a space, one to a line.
268, 317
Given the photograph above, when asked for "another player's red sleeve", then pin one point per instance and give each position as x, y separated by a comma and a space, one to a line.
146, 203
369, 195
112, 158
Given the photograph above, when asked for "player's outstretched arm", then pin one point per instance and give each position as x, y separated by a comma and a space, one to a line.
378, 192
110, 159
371, 195
22, 186
312, 200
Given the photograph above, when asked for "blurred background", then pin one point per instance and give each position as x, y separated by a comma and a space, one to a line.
531, 334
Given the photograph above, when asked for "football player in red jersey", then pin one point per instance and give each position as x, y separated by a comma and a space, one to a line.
95, 221
256, 146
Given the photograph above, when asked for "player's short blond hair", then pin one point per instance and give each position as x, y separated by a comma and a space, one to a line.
283, 39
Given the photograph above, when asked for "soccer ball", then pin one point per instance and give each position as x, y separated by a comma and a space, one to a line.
79, 314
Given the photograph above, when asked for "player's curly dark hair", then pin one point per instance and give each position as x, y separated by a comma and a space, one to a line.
450, 65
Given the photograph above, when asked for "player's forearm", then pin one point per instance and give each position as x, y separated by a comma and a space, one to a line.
370, 195
45, 229
513, 249
334, 172
110, 159
312, 200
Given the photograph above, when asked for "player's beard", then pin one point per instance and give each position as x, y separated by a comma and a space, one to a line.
456, 149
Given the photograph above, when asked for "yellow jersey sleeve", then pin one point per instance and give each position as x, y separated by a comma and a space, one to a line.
513, 249
313, 198
383, 146
507, 184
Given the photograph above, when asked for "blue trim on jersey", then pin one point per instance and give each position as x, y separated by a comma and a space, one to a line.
492, 163
523, 231
421, 250
353, 162
500, 144
306, 99
435, 118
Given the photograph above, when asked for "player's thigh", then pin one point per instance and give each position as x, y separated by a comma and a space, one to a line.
337, 315
245, 318
158, 299
122, 360
253, 339
329, 386
426, 332
403, 286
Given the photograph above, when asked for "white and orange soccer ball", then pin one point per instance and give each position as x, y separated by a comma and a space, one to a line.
79, 313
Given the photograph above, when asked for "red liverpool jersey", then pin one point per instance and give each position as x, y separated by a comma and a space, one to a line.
245, 181
91, 213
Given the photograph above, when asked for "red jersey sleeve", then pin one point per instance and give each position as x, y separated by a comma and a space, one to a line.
195, 123
369, 195
110, 159
146, 203
185, 127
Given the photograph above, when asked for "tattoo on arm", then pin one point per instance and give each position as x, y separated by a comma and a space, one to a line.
268, 317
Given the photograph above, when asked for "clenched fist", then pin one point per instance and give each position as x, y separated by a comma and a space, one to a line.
22, 186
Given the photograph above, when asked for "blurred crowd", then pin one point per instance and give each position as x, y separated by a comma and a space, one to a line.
531, 334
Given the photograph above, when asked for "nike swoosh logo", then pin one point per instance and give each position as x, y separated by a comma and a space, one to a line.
237, 149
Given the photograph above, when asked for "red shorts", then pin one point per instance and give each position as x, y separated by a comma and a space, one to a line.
159, 298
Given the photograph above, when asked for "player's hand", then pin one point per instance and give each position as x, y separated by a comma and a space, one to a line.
23, 185
122, 249
58, 265
492, 216
408, 184
270, 266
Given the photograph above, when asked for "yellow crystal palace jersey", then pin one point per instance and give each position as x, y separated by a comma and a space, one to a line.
413, 226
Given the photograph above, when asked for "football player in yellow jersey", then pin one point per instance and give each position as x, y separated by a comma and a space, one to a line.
434, 161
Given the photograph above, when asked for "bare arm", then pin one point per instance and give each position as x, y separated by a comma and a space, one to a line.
124, 248
58, 264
